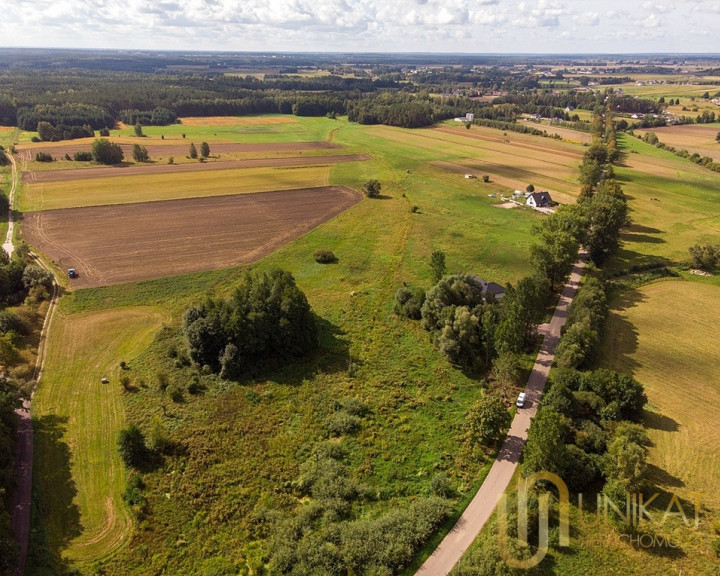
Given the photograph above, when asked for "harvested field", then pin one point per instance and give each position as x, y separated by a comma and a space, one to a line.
695, 138
158, 147
513, 181
131, 242
153, 169
169, 186
236, 120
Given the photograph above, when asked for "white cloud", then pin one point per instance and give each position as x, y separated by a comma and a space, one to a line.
376, 25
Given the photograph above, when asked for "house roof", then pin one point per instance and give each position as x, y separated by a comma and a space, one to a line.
540, 197
492, 287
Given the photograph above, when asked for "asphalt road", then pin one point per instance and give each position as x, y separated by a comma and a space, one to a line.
467, 528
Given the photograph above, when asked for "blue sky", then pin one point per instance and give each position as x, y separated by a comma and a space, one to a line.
475, 26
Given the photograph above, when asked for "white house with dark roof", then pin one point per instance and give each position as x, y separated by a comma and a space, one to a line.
539, 200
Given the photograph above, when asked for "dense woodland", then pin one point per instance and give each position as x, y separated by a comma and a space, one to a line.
98, 92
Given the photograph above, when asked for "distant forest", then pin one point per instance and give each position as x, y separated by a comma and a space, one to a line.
77, 92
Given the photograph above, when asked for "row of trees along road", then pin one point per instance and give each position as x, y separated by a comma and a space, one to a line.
585, 429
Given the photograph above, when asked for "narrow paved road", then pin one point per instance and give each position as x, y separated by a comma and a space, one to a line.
22, 497
458, 540
8, 245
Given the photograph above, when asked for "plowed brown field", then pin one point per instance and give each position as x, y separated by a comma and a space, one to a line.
131, 242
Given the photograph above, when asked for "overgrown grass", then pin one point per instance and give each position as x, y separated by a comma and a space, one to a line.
242, 443
80, 477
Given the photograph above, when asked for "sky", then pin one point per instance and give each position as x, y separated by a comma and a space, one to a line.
469, 26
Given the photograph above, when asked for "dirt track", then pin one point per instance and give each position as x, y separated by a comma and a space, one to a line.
134, 170
131, 242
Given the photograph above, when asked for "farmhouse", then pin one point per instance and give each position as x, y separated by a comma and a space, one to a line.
469, 117
490, 289
539, 199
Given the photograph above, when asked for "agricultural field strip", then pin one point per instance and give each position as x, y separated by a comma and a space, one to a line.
78, 419
679, 367
516, 139
511, 180
123, 243
179, 147
117, 172
505, 153
694, 138
157, 187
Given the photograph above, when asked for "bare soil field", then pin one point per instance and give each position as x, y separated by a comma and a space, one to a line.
158, 147
148, 169
132, 242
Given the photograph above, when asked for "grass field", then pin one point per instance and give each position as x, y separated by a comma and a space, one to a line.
663, 334
366, 352
243, 443
513, 161
677, 357
144, 188
278, 128
694, 138
672, 200
77, 419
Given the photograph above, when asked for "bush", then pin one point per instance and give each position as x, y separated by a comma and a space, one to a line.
341, 423
125, 382
353, 406
37, 276
486, 178
409, 302
140, 153
440, 485
106, 152
81, 156
43, 157
324, 256
10, 322
372, 188
175, 393
705, 256
131, 444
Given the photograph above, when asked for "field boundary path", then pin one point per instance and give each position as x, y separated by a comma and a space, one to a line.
470, 524
22, 496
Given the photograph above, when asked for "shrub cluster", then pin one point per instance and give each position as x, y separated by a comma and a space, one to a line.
268, 316
323, 256
325, 536
586, 318
462, 323
582, 430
